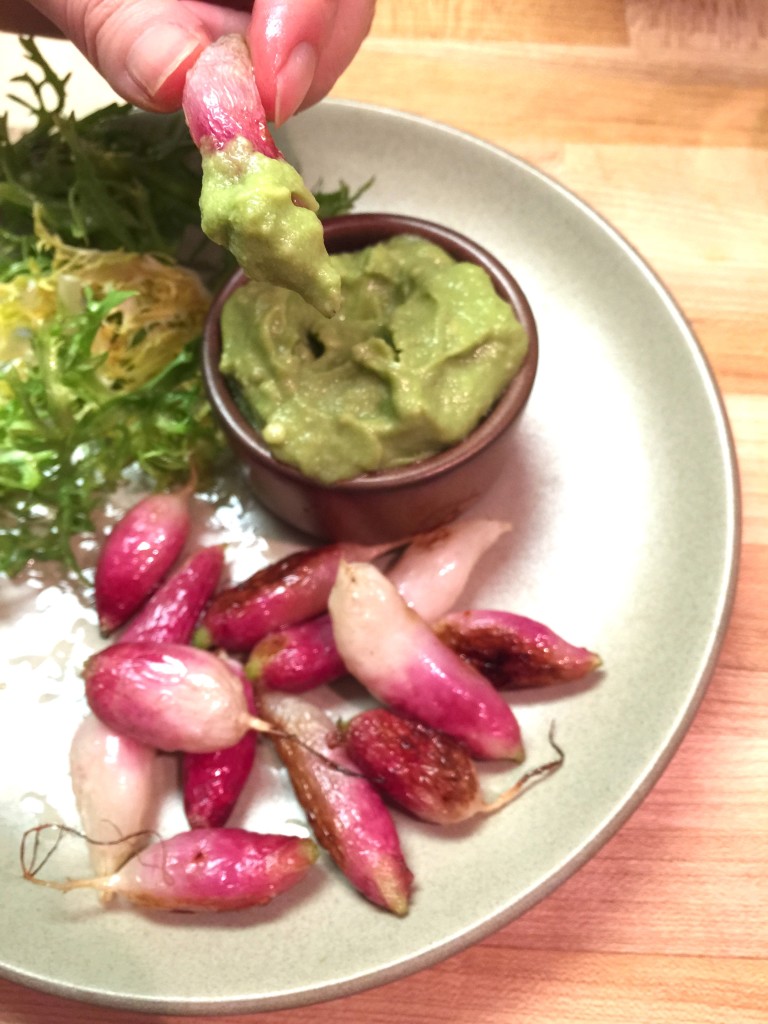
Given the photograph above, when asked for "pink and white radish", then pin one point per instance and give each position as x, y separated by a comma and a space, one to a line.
433, 570
137, 554
281, 594
169, 696
297, 658
115, 787
171, 613
253, 201
221, 101
398, 658
212, 782
202, 870
347, 815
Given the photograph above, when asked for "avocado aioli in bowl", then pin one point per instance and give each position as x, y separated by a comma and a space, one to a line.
419, 352
413, 360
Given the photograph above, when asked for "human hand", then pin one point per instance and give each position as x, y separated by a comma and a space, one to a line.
144, 48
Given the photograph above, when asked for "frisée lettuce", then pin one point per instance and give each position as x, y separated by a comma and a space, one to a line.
99, 322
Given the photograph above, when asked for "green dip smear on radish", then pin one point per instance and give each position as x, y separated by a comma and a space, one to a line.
419, 352
248, 204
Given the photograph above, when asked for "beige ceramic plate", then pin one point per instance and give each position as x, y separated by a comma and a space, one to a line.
620, 481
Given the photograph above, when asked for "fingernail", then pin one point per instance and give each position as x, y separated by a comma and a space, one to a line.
159, 67
293, 81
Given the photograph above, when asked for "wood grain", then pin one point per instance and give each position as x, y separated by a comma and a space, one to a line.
656, 113
601, 23
733, 26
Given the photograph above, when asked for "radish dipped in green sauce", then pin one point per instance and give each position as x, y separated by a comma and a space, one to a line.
260, 209
252, 201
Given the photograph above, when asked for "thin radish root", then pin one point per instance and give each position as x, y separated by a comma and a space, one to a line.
33, 860
524, 783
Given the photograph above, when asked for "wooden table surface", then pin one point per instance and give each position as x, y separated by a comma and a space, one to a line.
656, 113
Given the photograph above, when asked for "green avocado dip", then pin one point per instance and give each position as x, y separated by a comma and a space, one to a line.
248, 204
419, 352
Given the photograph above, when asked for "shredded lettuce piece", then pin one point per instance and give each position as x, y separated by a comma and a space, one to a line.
165, 311
99, 372
333, 204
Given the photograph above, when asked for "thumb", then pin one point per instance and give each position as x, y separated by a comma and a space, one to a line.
143, 48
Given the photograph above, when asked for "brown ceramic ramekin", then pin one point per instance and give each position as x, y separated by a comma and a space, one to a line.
392, 503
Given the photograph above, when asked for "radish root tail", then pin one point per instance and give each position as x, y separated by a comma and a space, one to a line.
532, 776
33, 860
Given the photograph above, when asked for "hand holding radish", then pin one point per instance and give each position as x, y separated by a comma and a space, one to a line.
144, 52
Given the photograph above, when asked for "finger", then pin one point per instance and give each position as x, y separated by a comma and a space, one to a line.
300, 47
351, 26
143, 48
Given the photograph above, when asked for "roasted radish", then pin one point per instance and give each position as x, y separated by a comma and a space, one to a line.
297, 658
202, 870
253, 201
347, 815
138, 553
397, 657
114, 783
512, 651
422, 770
169, 696
212, 782
281, 594
433, 570
171, 614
